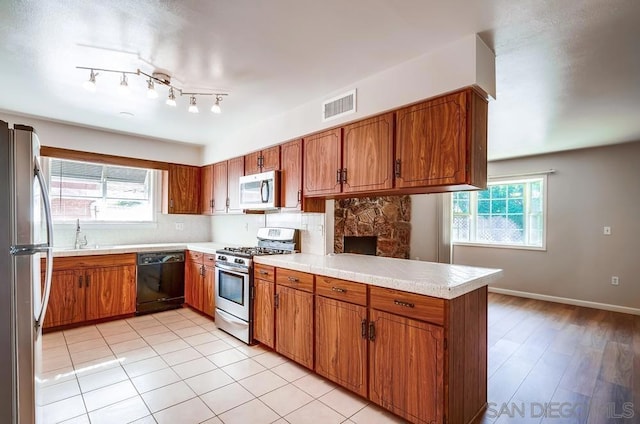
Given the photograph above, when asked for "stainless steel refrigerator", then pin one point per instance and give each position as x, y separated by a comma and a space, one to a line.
25, 234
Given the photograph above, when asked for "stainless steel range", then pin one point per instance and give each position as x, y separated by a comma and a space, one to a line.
234, 279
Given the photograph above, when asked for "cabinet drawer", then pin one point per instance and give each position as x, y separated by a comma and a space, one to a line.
347, 291
411, 305
209, 259
294, 279
264, 272
195, 256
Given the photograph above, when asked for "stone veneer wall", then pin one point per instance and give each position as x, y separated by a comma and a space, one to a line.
387, 217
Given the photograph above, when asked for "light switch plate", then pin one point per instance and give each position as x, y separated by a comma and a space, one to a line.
607, 231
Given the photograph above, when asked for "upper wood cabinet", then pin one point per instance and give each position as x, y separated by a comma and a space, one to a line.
442, 142
234, 172
291, 194
220, 187
323, 163
262, 161
367, 155
183, 191
206, 192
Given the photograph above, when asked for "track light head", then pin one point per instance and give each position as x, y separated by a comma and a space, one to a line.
216, 106
90, 84
171, 99
123, 88
151, 91
193, 108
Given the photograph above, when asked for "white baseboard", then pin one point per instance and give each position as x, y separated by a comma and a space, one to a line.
566, 300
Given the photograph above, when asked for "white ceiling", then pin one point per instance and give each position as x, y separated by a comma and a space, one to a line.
567, 72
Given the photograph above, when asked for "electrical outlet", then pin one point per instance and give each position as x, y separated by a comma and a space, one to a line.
615, 281
246, 226
179, 226
607, 231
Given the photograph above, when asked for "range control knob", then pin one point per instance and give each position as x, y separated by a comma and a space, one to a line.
222, 258
239, 261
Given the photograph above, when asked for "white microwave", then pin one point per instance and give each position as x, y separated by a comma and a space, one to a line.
260, 191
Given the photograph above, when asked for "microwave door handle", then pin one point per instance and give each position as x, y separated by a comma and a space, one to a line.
264, 189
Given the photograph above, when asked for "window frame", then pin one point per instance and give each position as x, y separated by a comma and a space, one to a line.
473, 205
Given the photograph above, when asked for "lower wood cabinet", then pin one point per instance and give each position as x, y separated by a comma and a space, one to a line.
199, 275
264, 312
341, 343
91, 287
406, 367
294, 324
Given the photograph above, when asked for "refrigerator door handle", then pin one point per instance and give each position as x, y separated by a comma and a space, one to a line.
49, 244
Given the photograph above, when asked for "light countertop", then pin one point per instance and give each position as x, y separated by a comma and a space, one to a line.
205, 247
432, 279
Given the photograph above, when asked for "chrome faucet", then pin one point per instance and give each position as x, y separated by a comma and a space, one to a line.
81, 240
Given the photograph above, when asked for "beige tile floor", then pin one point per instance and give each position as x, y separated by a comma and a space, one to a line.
177, 367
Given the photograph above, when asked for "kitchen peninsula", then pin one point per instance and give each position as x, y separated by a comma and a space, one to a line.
410, 336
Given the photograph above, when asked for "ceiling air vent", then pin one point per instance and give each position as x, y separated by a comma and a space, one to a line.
338, 106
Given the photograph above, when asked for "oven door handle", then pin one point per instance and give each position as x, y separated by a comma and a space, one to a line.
243, 271
230, 318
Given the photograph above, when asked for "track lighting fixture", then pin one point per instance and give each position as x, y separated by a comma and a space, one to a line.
157, 77
193, 108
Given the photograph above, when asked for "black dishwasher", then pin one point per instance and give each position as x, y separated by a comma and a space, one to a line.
160, 281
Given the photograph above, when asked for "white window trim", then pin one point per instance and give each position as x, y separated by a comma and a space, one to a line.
512, 179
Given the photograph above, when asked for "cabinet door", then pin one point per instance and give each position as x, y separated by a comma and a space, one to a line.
291, 177
208, 302
234, 172
270, 159
220, 187
264, 312
367, 160
294, 325
341, 344
252, 163
406, 367
431, 142
206, 192
323, 163
193, 284
110, 291
66, 300
184, 189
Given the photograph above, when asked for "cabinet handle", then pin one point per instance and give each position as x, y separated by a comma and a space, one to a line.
80, 281
372, 331
211, 204
338, 176
263, 272
276, 300
338, 289
405, 304
170, 203
363, 328
344, 175
87, 281
299, 196
293, 279
397, 168
228, 203
202, 270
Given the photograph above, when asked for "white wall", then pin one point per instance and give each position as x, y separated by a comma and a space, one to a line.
462, 63
592, 188
424, 227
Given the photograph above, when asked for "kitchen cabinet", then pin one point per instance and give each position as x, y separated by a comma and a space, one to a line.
199, 274
220, 188
262, 161
264, 305
323, 163
407, 367
183, 189
442, 142
206, 192
294, 316
291, 194
88, 288
226, 186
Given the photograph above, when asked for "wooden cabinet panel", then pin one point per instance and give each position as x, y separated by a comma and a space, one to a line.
184, 189
431, 142
252, 163
341, 343
193, 294
270, 159
110, 291
234, 172
294, 325
264, 312
220, 187
66, 300
412, 305
347, 291
367, 159
208, 295
406, 367
291, 177
206, 192
322, 163
264, 272
295, 279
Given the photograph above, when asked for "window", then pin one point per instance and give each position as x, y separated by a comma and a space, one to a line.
507, 213
97, 192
